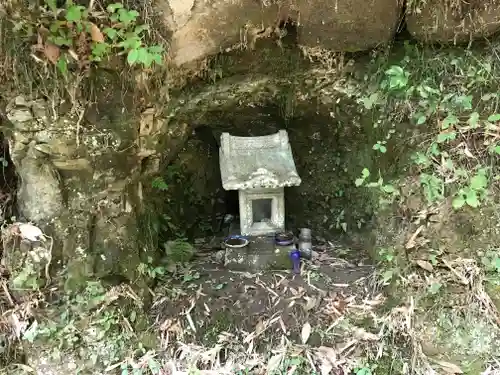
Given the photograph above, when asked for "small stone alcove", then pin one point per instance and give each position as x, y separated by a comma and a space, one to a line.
259, 168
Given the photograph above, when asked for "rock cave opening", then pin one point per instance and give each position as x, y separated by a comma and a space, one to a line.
330, 149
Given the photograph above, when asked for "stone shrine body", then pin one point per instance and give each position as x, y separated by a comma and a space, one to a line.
259, 168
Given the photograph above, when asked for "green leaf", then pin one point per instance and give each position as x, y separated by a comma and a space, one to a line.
157, 58
61, 41
139, 29
494, 118
132, 42
127, 16
434, 149
159, 183
52, 5
156, 49
74, 13
421, 120
99, 50
159, 270
458, 202
434, 288
387, 275
382, 149
133, 316
143, 57
54, 27
368, 102
359, 182
154, 366
496, 149
62, 65
394, 70
496, 264
465, 101
365, 173
479, 182
388, 189
132, 56
451, 119
433, 187
110, 32
446, 136
473, 119
471, 198
220, 286
420, 158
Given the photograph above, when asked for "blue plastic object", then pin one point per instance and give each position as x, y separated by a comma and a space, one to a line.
236, 236
295, 257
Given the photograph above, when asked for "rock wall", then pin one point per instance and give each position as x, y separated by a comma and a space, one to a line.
81, 183
453, 21
203, 28
200, 29
348, 25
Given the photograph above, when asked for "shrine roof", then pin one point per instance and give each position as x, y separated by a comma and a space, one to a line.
257, 162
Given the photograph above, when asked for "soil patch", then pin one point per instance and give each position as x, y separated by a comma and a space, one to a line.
211, 305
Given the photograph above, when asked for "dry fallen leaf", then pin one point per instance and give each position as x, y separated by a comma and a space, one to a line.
73, 54
259, 327
30, 232
52, 52
282, 325
310, 304
411, 242
449, 368
425, 265
363, 335
328, 354
325, 368
468, 153
306, 332
39, 40
327, 358
96, 34
273, 363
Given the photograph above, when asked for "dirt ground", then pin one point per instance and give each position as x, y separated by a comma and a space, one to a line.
240, 312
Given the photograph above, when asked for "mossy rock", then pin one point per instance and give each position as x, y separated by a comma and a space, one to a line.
257, 259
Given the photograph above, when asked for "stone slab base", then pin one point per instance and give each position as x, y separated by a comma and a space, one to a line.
261, 254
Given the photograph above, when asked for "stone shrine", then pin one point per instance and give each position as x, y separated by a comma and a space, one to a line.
259, 168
